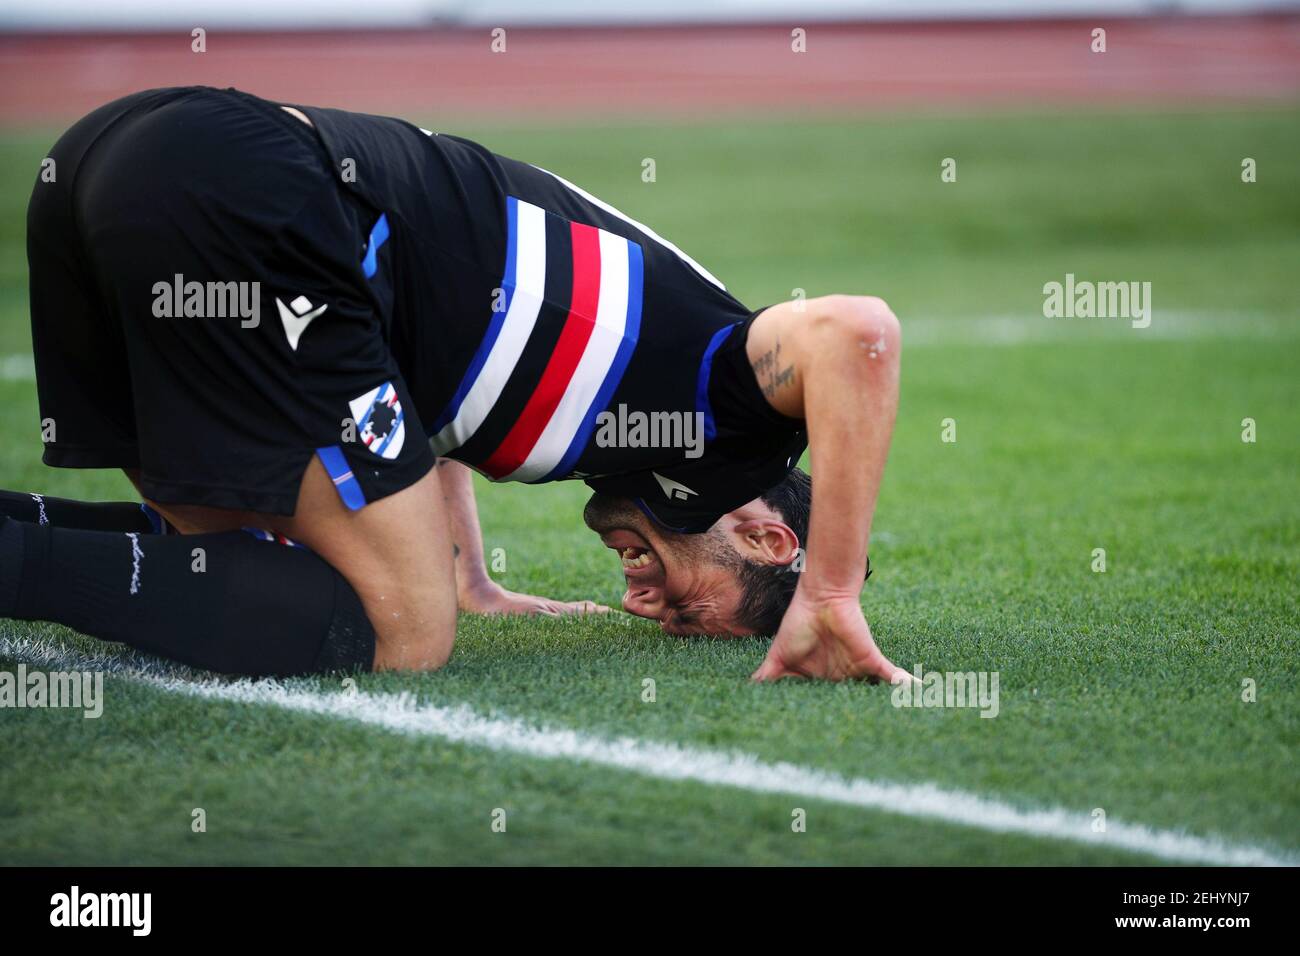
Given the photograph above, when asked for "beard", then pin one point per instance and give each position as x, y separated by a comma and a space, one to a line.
605, 513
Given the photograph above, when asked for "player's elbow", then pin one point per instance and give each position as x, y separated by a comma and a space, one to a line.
865, 325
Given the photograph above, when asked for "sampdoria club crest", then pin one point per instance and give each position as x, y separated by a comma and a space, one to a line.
378, 415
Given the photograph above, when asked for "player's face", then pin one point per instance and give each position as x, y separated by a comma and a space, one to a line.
687, 582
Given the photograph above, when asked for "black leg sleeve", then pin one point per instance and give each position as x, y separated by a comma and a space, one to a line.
223, 602
86, 515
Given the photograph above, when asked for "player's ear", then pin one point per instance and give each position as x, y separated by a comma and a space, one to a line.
767, 541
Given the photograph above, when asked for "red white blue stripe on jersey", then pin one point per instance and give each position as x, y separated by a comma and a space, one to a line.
703, 272
600, 306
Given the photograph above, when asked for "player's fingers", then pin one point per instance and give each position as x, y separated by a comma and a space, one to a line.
770, 669
883, 670
577, 607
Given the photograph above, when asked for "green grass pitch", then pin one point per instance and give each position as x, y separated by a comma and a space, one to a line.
1120, 690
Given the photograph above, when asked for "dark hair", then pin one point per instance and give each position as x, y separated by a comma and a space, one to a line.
767, 589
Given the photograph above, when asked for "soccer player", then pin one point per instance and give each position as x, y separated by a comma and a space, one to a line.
294, 328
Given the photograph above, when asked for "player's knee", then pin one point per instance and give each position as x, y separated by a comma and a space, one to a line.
411, 634
414, 620
429, 650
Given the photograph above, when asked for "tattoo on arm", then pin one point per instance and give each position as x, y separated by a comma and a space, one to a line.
770, 374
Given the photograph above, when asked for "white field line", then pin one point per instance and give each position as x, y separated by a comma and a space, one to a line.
1026, 328
17, 368
403, 714
1000, 330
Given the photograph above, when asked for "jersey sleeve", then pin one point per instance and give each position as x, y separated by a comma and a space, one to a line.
753, 448
691, 496
736, 401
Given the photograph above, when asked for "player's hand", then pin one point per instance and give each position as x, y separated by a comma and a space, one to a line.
826, 639
489, 597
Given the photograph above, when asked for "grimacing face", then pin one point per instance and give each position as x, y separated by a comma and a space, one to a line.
689, 583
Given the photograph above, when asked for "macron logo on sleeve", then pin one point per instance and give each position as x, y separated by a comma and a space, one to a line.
296, 316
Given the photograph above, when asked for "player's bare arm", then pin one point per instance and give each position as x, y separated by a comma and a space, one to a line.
834, 362
476, 592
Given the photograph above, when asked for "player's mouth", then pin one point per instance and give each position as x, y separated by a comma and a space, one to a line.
636, 559
635, 554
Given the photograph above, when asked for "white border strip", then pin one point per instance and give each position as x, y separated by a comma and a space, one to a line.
403, 714
1030, 329
999, 330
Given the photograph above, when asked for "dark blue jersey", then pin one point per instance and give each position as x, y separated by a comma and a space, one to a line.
543, 335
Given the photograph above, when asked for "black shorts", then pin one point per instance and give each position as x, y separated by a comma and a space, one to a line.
210, 307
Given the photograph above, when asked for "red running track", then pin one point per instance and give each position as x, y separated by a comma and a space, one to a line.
705, 70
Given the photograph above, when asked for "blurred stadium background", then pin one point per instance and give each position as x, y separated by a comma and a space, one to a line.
625, 58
